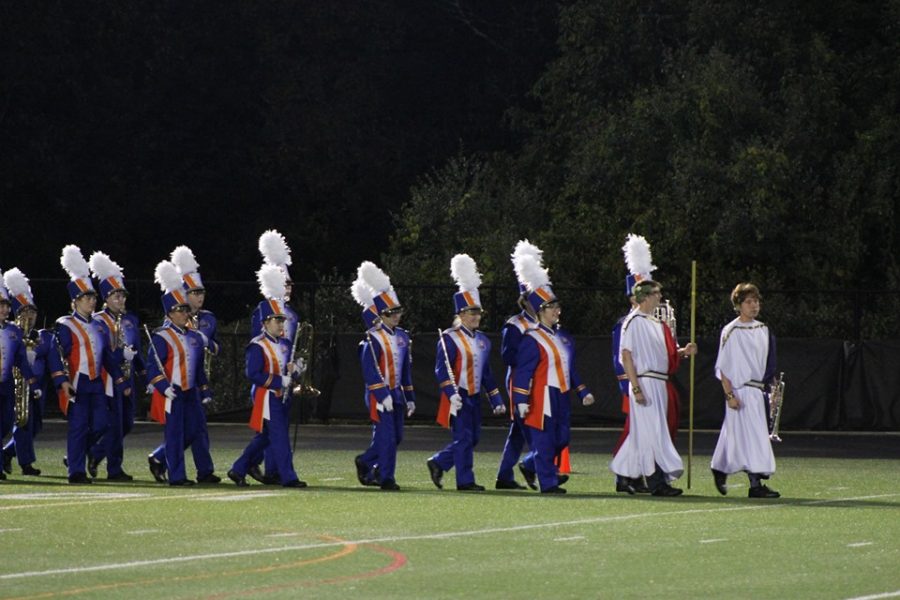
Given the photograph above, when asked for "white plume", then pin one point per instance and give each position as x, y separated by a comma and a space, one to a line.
167, 276
102, 266
637, 255
271, 281
362, 293
524, 247
530, 272
74, 264
16, 282
465, 273
274, 248
184, 261
374, 277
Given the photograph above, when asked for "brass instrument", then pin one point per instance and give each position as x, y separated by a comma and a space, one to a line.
119, 341
306, 349
776, 399
22, 393
665, 312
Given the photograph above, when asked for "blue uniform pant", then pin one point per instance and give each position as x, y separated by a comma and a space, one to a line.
7, 410
386, 436
111, 446
546, 443
518, 436
21, 445
460, 453
196, 437
271, 463
88, 420
274, 440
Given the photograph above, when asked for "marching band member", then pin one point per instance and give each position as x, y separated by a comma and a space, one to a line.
204, 322
512, 333
38, 344
545, 373
275, 251
175, 370
462, 367
745, 365
268, 368
123, 332
648, 449
85, 347
386, 366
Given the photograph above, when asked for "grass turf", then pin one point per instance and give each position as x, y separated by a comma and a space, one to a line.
833, 534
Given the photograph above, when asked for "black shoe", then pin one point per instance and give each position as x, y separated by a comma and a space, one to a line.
762, 491
554, 490
509, 485
257, 474
296, 484
123, 476
529, 475
7, 463
92, 466
157, 469
362, 470
79, 479
639, 486
2, 475
667, 490
239, 480
470, 487
183, 482
390, 486
720, 478
625, 485
562, 478
211, 478
436, 473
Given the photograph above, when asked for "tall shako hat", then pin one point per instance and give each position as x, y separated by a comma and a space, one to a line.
272, 286
465, 274
537, 281
108, 273
184, 261
19, 290
80, 274
4, 293
638, 261
172, 286
522, 248
364, 296
275, 251
384, 298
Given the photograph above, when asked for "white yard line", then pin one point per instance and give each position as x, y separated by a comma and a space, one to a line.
894, 594
860, 544
713, 541
409, 538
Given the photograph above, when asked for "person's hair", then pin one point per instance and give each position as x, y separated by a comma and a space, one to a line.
741, 292
643, 289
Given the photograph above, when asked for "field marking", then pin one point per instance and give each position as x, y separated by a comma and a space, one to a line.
410, 538
241, 497
713, 541
9, 530
114, 497
143, 531
893, 594
860, 544
76, 495
570, 539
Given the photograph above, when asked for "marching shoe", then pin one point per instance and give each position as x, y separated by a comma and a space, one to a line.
122, 476
211, 478
667, 490
436, 473
390, 486
509, 485
7, 463
92, 466
639, 486
297, 483
562, 478
2, 475
762, 491
255, 472
79, 479
470, 487
238, 480
157, 469
720, 478
554, 490
183, 482
529, 475
30, 470
362, 470
274, 479
625, 485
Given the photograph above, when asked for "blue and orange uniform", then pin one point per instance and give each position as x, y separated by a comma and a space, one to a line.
519, 435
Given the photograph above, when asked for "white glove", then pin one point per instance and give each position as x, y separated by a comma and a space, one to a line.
455, 403
522, 408
129, 353
299, 366
170, 393
37, 394
500, 409
149, 389
410, 408
285, 381
31, 354
388, 404
587, 400
206, 400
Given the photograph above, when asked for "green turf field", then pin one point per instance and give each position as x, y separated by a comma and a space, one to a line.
834, 534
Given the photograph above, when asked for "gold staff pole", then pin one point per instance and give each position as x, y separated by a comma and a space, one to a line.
693, 341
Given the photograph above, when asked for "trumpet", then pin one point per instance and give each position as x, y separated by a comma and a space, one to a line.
776, 400
22, 393
306, 349
665, 312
